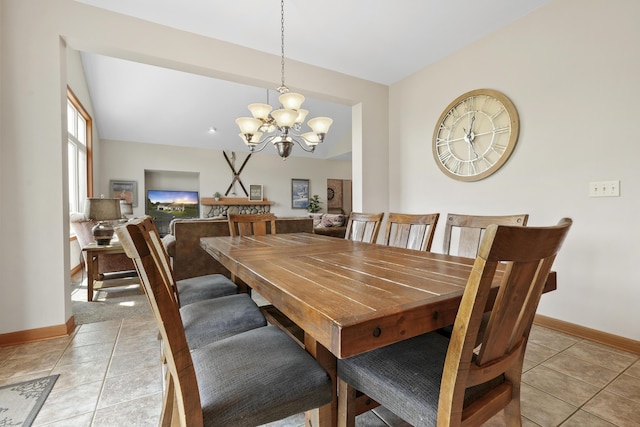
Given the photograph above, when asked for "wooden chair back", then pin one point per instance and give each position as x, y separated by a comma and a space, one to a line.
252, 225
529, 253
411, 231
463, 233
363, 227
141, 243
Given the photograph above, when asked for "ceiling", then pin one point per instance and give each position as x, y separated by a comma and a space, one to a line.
383, 42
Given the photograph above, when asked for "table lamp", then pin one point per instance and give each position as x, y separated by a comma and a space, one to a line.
104, 211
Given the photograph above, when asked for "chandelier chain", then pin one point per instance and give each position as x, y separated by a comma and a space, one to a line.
282, 41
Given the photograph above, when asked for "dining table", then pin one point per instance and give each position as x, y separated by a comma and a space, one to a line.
349, 297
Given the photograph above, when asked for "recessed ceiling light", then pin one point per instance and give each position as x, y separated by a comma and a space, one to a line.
212, 130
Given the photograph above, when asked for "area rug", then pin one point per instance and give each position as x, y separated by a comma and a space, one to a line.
119, 302
21, 402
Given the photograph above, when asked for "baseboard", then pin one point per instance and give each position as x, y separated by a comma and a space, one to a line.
77, 268
38, 334
611, 340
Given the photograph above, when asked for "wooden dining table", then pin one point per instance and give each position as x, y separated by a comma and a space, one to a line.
348, 297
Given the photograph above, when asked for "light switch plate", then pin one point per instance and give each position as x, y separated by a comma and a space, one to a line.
604, 189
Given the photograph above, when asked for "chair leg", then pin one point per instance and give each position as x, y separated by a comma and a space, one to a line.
170, 414
346, 404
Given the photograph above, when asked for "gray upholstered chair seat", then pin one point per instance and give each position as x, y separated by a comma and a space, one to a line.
405, 376
258, 377
204, 287
218, 318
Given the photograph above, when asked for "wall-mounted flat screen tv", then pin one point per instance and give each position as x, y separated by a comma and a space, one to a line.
165, 205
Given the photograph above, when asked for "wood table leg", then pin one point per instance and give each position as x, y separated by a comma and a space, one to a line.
326, 415
92, 262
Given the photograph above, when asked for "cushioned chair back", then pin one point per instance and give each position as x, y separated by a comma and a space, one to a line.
410, 231
363, 227
252, 225
141, 242
528, 253
463, 233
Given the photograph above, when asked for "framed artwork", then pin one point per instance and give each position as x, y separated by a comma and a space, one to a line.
125, 190
299, 193
255, 192
334, 193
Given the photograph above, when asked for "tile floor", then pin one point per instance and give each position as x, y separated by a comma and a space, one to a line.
110, 375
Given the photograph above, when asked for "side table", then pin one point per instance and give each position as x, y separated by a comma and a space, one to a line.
93, 250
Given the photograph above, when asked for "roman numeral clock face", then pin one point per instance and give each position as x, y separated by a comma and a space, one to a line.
475, 135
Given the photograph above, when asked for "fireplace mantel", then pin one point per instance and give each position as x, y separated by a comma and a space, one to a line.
233, 201
227, 205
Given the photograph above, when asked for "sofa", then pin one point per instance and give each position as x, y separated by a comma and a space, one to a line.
329, 224
190, 260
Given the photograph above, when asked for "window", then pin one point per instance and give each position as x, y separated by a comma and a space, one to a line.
79, 152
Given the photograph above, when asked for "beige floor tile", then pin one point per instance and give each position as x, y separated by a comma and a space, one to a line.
626, 386
551, 339
95, 337
83, 420
36, 362
608, 357
563, 387
585, 419
74, 374
23, 378
141, 412
127, 362
542, 408
133, 385
538, 353
132, 344
585, 371
99, 326
87, 353
634, 370
615, 409
48, 346
70, 402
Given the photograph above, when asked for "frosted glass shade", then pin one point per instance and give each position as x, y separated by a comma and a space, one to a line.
302, 114
320, 125
248, 125
310, 138
260, 111
291, 100
284, 117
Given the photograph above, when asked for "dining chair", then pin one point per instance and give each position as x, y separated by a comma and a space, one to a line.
252, 224
463, 233
363, 227
430, 380
203, 321
410, 231
251, 378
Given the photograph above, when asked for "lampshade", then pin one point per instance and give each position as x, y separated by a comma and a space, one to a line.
291, 100
284, 117
320, 125
102, 209
260, 111
248, 125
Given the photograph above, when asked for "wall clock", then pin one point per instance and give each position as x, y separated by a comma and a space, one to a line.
475, 135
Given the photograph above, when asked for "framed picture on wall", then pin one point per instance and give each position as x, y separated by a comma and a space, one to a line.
255, 192
299, 193
125, 190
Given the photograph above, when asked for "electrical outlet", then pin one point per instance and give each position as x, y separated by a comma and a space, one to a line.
604, 189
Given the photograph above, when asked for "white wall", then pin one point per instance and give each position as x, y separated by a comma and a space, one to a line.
571, 68
129, 160
34, 36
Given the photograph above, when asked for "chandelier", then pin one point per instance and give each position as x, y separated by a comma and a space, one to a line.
282, 127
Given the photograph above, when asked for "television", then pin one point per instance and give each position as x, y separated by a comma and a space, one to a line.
165, 205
